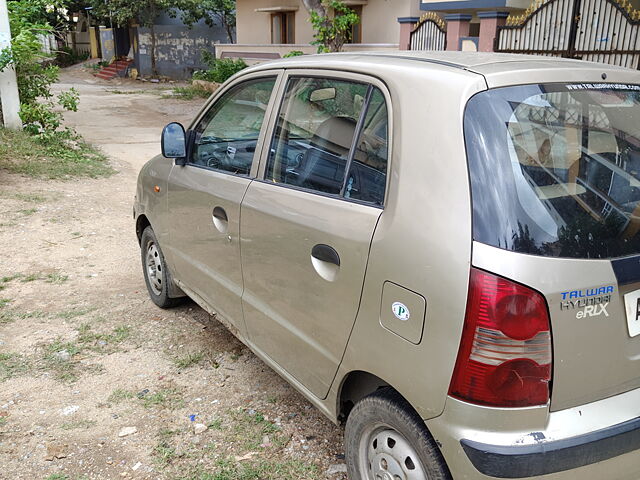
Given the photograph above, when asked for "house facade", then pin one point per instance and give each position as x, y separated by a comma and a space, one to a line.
268, 29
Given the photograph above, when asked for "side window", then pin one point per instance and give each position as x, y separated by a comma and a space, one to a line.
314, 138
368, 172
226, 137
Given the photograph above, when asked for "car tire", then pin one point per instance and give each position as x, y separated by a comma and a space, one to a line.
386, 439
156, 273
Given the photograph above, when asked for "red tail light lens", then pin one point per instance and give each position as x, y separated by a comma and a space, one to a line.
505, 352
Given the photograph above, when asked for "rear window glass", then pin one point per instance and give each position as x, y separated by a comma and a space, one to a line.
555, 169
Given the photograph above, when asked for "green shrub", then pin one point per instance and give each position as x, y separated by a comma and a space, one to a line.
293, 53
218, 69
65, 57
34, 73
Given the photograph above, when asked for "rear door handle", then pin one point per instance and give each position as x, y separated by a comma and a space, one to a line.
325, 253
220, 214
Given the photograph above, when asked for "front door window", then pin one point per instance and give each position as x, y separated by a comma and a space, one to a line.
227, 137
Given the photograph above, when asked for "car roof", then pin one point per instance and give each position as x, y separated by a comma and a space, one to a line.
477, 62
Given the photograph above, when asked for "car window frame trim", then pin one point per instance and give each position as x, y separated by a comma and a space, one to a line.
232, 83
370, 81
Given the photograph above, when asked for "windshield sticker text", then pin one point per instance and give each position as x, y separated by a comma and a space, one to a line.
603, 86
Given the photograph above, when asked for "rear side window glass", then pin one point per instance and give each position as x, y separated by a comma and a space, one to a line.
368, 172
555, 169
315, 143
227, 136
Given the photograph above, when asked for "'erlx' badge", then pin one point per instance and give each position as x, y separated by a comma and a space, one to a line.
401, 311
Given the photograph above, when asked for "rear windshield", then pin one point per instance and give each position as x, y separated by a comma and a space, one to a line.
555, 169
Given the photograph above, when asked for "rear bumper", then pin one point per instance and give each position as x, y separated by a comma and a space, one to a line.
590, 442
552, 457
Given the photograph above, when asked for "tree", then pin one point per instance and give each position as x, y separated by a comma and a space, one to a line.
332, 21
28, 20
144, 12
212, 11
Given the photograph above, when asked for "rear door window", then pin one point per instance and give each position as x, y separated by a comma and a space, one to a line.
326, 128
555, 169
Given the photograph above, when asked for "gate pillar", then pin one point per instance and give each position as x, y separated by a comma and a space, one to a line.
489, 23
457, 27
406, 25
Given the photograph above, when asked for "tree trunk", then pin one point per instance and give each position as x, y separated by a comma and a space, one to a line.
154, 69
315, 6
228, 28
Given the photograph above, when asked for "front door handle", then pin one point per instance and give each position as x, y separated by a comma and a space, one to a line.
220, 219
325, 253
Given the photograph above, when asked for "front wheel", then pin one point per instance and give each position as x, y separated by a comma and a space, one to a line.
156, 274
385, 439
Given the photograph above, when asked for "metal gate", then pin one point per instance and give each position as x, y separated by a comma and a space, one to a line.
606, 31
429, 33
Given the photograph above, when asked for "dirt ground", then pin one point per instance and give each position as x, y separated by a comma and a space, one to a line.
95, 381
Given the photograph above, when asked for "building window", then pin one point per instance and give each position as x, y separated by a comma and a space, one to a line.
282, 27
356, 29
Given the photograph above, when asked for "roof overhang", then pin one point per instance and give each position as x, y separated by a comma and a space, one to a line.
284, 8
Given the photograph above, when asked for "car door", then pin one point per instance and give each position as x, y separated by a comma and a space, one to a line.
307, 227
205, 194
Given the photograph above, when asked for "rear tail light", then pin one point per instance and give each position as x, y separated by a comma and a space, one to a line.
504, 358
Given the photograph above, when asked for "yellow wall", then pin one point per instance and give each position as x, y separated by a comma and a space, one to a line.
379, 20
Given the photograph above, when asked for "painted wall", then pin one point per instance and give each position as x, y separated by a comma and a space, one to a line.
379, 20
178, 49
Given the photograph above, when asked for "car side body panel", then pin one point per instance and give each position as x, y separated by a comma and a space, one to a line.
151, 201
418, 244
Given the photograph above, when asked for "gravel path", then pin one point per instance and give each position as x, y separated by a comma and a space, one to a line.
95, 381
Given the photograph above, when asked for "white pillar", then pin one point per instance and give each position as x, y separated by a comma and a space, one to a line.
8, 83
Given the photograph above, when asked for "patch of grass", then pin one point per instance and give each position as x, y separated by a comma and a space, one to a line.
4, 302
169, 398
215, 424
31, 277
248, 430
188, 93
101, 342
55, 157
125, 92
120, 395
9, 278
30, 197
24, 197
259, 469
56, 278
70, 314
188, 360
10, 316
79, 425
57, 476
65, 370
12, 365
28, 211
164, 453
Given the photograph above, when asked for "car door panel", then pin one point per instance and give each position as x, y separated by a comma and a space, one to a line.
304, 245
206, 258
295, 316
206, 193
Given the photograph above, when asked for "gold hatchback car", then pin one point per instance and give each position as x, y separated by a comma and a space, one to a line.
439, 250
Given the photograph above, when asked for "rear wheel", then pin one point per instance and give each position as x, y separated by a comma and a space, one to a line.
156, 274
385, 439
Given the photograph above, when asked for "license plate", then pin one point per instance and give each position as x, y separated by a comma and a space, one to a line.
632, 305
